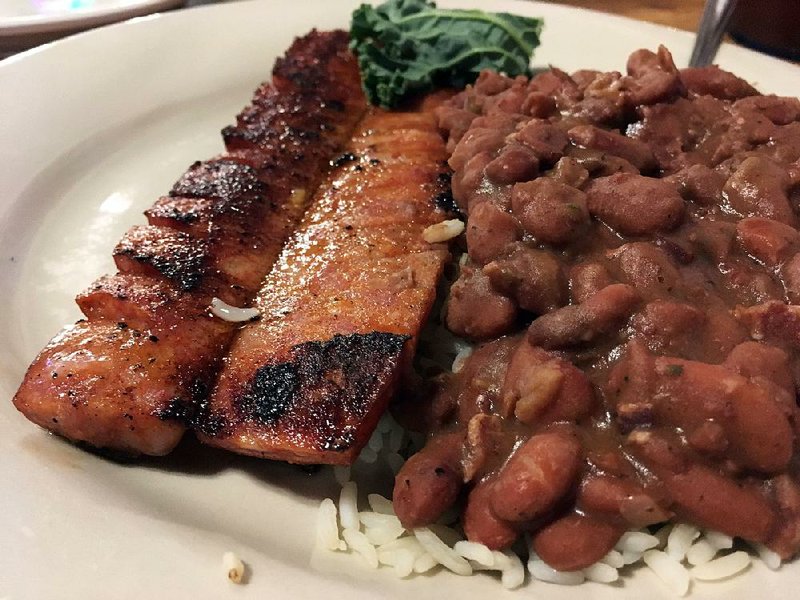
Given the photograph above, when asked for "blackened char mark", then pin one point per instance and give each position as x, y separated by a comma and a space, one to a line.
444, 195
185, 410
325, 389
225, 179
175, 255
301, 66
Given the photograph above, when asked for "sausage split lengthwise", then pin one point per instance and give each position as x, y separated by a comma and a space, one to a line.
341, 310
133, 373
341, 306
631, 281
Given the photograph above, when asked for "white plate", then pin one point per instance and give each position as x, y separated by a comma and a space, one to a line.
92, 129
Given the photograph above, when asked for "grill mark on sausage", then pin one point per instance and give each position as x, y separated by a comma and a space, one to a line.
216, 233
324, 389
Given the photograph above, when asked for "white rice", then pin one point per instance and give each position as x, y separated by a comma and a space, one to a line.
234, 567
476, 552
444, 555
723, 567
358, 541
348, 507
444, 231
674, 575
234, 314
676, 553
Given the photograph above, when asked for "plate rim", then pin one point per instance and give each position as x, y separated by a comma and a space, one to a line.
12, 27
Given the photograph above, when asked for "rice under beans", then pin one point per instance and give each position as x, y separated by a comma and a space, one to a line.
676, 554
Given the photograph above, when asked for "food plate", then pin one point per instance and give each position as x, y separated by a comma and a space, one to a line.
93, 129
24, 23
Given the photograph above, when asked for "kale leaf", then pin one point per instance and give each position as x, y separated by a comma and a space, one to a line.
406, 47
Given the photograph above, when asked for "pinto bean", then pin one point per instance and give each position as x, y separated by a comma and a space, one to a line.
475, 310
537, 476
514, 163
635, 205
647, 268
779, 110
481, 524
705, 498
474, 141
532, 277
664, 324
577, 324
586, 279
688, 393
541, 387
490, 230
769, 241
754, 359
713, 81
429, 482
790, 273
621, 497
569, 172
551, 211
467, 183
652, 78
699, 184
547, 141
758, 188
575, 541
539, 105
786, 539
634, 151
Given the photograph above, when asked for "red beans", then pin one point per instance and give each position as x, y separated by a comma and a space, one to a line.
532, 277
578, 324
429, 482
476, 311
545, 140
481, 524
635, 205
490, 230
540, 387
634, 151
706, 498
575, 542
771, 242
758, 188
537, 476
551, 211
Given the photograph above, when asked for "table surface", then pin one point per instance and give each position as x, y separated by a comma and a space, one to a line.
683, 14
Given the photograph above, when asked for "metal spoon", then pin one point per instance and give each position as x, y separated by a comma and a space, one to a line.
713, 23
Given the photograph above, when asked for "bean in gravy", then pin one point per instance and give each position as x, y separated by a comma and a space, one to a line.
632, 264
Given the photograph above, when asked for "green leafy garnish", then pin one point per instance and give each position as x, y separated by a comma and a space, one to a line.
407, 47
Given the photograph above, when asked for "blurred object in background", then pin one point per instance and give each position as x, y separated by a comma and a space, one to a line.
716, 17
28, 23
772, 26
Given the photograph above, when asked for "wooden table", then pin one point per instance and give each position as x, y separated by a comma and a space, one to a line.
683, 14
